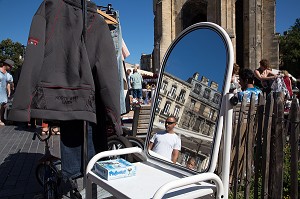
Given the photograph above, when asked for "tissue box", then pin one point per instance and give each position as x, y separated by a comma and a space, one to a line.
114, 169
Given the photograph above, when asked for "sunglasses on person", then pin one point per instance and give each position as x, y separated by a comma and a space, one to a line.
168, 123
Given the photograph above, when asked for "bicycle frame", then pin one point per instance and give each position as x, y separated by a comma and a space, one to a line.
47, 170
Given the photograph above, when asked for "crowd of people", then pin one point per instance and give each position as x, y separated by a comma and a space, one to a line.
260, 81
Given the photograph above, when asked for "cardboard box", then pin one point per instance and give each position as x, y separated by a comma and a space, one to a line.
114, 169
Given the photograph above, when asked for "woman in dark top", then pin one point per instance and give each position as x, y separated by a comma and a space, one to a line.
264, 76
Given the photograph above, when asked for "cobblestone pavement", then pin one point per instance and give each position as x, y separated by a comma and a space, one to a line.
19, 155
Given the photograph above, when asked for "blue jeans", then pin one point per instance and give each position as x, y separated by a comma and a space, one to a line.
71, 146
116, 34
137, 93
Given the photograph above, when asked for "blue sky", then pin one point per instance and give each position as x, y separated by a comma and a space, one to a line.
136, 21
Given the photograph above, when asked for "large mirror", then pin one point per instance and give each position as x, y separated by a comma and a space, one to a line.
188, 99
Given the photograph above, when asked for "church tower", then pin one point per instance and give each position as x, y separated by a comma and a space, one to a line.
249, 23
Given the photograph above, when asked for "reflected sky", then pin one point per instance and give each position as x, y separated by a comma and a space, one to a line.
201, 51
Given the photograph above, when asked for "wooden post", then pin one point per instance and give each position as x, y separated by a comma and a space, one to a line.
266, 146
237, 146
249, 146
276, 148
258, 151
294, 141
136, 115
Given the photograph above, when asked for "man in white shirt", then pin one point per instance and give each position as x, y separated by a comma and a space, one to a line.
167, 143
5, 80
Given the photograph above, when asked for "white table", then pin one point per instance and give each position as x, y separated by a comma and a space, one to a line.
153, 181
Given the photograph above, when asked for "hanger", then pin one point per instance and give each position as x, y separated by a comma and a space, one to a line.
108, 18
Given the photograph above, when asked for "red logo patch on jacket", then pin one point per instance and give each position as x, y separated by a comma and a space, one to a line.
32, 41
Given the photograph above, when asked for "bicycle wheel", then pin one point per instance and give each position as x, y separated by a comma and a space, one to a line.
136, 142
40, 172
50, 190
119, 142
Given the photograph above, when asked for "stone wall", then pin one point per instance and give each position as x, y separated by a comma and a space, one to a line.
249, 23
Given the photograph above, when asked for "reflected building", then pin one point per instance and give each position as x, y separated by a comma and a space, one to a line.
195, 104
201, 109
174, 93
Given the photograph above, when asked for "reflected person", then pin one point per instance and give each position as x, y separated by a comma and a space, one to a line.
191, 163
166, 143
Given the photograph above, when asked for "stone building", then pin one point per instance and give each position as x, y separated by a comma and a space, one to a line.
201, 109
173, 95
146, 62
249, 23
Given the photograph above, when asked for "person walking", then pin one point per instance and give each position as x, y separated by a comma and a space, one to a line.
136, 80
5, 80
167, 143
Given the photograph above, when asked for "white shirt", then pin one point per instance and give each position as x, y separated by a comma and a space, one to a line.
165, 142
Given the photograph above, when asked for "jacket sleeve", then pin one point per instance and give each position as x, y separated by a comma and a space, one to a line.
30, 70
108, 78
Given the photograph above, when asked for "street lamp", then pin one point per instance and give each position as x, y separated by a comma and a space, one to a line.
23, 48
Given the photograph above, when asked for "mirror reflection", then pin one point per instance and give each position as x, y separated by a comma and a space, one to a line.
188, 101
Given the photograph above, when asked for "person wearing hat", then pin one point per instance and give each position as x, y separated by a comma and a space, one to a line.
5, 81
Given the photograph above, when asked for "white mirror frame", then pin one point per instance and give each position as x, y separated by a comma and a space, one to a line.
230, 59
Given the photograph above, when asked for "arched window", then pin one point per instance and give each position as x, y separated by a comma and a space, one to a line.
181, 95
206, 93
216, 98
202, 109
176, 111
164, 86
158, 104
192, 105
167, 108
172, 92
197, 89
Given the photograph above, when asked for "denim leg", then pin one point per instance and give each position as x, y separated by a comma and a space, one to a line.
116, 33
71, 147
139, 93
135, 93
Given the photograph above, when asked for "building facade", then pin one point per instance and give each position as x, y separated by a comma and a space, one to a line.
195, 104
249, 23
146, 62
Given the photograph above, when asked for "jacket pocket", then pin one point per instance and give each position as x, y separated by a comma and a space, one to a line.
59, 98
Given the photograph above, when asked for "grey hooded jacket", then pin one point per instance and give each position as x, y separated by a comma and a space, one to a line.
64, 78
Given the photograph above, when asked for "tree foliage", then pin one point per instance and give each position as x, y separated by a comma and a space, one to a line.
12, 50
290, 49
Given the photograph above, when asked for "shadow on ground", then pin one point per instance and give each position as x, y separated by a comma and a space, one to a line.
17, 173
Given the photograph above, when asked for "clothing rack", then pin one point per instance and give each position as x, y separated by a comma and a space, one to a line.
85, 126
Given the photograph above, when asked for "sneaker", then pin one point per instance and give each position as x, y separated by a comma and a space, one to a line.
134, 100
1, 123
